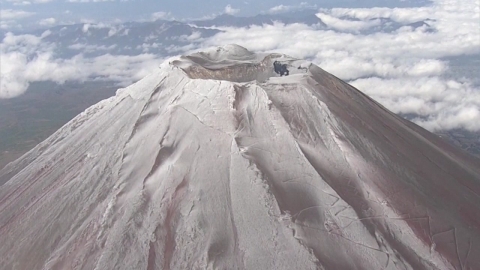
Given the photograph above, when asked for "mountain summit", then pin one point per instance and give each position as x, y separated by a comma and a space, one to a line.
214, 161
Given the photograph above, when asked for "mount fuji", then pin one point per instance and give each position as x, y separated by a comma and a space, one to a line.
214, 161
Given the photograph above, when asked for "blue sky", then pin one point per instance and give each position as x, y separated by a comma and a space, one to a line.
34, 13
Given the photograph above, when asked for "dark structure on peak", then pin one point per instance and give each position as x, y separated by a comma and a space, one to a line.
280, 68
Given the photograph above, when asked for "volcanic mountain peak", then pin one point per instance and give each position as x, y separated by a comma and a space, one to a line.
216, 161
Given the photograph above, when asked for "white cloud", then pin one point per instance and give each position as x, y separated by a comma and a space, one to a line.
27, 58
287, 8
47, 22
436, 101
195, 36
21, 3
18, 71
162, 15
24, 2
404, 15
279, 9
91, 48
113, 29
25, 44
230, 10
11, 18
12, 14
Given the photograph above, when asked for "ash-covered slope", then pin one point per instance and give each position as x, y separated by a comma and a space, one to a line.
213, 161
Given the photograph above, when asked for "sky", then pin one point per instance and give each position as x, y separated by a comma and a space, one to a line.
405, 70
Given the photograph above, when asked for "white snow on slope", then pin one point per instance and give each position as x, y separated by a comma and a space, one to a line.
215, 162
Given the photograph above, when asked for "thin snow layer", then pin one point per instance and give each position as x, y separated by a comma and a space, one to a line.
205, 164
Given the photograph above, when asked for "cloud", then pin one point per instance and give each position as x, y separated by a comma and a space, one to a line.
12, 14
195, 36
279, 8
288, 8
25, 3
25, 44
12, 17
113, 29
404, 15
21, 3
91, 48
438, 104
402, 69
47, 22
28, 58
161, 15
230, 10
43, 67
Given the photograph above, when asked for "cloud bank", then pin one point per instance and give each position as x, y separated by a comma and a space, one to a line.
26, 59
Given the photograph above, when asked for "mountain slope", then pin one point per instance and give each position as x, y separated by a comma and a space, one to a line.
213, 161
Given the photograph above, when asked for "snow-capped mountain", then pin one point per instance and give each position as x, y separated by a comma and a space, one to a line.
214, 161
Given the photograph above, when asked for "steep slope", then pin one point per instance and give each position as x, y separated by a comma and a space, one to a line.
213, 161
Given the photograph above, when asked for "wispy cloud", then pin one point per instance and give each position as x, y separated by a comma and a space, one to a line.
12, 14
162, 15
405, 15
230, 10
12, 17
28, 2
287, 8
